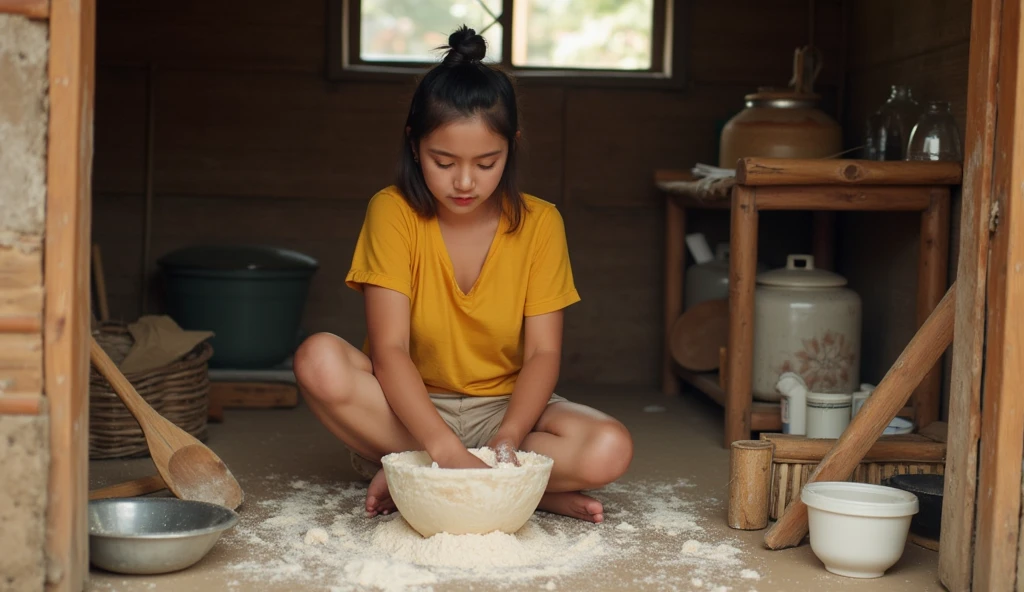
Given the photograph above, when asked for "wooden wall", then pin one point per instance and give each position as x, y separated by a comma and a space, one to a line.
252, 144
925, 44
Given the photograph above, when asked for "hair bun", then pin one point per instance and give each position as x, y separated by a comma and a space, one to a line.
465, 46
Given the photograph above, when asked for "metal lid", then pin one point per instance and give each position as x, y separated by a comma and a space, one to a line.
800, 273
781, 98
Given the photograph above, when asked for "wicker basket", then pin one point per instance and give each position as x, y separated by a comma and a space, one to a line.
178, 391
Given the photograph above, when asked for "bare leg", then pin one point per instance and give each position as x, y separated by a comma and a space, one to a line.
590, 450
337, 381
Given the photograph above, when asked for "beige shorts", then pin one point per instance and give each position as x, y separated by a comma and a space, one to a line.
474, 419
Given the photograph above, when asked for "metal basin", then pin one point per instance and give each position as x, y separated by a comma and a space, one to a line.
153, 535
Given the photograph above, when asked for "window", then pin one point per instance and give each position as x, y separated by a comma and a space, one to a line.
563, 40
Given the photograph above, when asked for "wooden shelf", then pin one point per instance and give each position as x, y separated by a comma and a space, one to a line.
764, 416
821, 186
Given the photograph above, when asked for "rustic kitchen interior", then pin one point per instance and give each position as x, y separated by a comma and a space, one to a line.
213, 127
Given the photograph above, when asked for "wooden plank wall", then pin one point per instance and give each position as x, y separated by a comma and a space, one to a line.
252, 144
922, 43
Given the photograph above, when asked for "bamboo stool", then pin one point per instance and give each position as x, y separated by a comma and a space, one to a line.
824, 186
755, 497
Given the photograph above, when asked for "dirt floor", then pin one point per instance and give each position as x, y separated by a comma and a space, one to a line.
302, 525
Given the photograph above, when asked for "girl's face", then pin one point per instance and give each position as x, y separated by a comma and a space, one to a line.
462, 163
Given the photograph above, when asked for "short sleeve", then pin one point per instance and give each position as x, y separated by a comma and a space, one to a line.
551, 285
383, 253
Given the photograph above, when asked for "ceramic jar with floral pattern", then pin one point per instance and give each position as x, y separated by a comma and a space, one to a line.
805, 321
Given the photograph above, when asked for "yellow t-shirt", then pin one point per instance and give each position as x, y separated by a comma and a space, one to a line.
472, 343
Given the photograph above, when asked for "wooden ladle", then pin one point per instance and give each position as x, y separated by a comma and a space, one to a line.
190, 470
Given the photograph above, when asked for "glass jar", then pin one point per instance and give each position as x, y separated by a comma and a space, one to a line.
888, 129
935, 137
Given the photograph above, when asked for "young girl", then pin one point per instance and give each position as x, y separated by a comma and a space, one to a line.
465, 280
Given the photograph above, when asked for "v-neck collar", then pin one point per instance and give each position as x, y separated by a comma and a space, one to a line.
446, 258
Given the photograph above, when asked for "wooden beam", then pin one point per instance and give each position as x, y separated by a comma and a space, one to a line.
958, 508
839, 198
759, 171
1002, 409
37, 9
21, 324
887, 449
22, 404
742, 278
932, 282
67, 312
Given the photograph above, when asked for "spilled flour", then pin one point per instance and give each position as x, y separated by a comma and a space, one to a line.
318, 536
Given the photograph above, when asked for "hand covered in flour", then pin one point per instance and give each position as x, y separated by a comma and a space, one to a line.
459, 458
504, 450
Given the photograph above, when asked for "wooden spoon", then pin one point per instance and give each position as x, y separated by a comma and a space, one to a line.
190, 469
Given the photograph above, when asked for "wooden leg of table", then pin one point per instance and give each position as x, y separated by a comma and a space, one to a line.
742, 278
675, 253
932, 276
824, 248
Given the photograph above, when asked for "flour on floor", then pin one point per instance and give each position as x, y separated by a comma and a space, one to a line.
319, 534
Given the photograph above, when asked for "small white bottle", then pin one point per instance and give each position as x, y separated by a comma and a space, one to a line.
794, 403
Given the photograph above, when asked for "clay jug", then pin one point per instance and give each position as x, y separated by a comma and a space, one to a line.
783, 123
779, 124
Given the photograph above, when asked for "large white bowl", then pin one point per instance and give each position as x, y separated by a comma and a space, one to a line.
466, 501
857, 529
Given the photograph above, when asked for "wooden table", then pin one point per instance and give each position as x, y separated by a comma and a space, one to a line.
824, 186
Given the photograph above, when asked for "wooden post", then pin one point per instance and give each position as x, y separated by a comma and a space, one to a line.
932, 276
958, 506
67, 311
675, 255
824, 239
742, 278
750, 484
881, 407
1002, 407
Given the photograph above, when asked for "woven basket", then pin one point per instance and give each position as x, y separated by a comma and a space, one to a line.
178, 391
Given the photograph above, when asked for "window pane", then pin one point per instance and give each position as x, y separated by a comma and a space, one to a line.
594, 34
410, 30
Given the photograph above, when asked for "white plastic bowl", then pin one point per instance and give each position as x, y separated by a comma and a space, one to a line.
466, 501
858, 530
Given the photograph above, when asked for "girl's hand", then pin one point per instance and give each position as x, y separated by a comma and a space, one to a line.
504, 450
460, 459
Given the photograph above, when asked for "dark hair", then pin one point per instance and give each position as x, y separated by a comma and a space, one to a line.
462, 86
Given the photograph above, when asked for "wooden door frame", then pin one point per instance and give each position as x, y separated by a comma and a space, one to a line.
981, 524
66, 310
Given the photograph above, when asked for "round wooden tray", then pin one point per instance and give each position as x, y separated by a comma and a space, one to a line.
698, 335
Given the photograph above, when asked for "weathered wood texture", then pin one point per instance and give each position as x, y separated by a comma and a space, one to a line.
958, 516
66, 281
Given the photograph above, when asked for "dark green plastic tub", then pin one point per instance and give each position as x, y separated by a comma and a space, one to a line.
251, 297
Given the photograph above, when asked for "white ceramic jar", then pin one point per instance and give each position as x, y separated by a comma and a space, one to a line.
828, 414
805, 321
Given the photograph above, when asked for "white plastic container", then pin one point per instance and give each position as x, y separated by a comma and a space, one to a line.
828, 414
858, 530
793, 403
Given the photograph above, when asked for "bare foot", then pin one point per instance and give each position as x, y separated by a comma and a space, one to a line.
573, 504
378, 499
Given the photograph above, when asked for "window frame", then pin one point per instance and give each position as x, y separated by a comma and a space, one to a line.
343, 44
